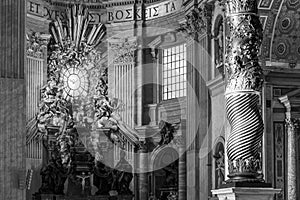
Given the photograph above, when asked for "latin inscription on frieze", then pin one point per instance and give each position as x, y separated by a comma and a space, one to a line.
47, 11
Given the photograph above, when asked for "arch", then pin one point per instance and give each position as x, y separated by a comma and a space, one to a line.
218, 140
164, 171
158, 154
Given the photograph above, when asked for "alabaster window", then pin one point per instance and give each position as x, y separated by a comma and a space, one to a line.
174, 72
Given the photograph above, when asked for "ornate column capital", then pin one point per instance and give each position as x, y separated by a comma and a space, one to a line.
37, 44
287, 104
124, 50
196, 22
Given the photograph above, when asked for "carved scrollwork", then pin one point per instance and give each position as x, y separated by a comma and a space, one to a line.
124, 52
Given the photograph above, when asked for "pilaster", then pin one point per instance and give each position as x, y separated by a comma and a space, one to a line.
12, 98
292, 125
196, 27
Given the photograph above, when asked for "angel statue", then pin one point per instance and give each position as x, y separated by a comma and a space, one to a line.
220, 168
105, 112
167, 131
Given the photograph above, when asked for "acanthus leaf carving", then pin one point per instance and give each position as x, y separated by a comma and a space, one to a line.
37, 44
195, 22
124, 52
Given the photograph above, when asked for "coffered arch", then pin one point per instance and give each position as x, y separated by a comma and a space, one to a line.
281, 23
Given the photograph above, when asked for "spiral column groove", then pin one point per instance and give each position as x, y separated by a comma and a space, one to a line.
246, 125
244, 82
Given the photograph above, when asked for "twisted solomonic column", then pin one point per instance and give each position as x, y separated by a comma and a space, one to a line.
244, 82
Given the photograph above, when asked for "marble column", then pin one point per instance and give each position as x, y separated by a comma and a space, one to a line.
143, 175
244, 81
291, 125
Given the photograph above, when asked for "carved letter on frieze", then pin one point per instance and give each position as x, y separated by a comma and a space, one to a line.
244, 82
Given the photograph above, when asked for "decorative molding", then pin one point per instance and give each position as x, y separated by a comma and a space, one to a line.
124, 52
37, 45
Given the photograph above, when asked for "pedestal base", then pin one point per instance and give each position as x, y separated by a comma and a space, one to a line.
246, 193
